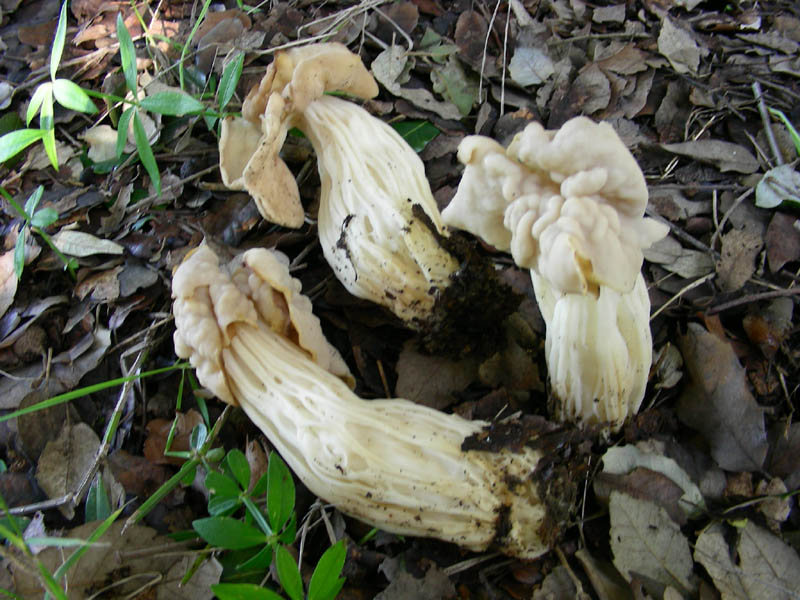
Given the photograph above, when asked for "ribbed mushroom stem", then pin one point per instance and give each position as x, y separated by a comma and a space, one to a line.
400, 466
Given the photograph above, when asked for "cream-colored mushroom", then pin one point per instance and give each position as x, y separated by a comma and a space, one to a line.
569, 205
400, 466
378, 223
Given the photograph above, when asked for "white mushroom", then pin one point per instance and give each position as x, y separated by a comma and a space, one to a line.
379, 225
400, 466
569, 205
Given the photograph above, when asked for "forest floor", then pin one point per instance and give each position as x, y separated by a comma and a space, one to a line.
693, 498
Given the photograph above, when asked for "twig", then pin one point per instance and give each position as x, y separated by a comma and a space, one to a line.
681, 292
753, 298
767, 122
734, 206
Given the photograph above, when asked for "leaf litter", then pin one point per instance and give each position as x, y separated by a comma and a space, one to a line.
674, 79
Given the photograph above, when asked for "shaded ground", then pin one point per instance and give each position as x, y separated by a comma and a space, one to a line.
701, 481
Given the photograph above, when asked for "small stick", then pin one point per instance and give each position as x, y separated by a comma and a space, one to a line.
762, 109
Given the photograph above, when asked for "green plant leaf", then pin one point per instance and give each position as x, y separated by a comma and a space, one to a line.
146, 152
223, 506
219, 484
229, 80
792, 131
325, 581
98, 506
260, 561
19, 253
257, 515
290, 531
127, 54
58, 41
260, 487
237, 463
33, 201
175, 104
417, 134
45, 217
72, 96
228, 533
96, 535
15, 142
280, 492
46, 110
243, 591
288, 573
122, 129
36, 101
198, 436
49, 141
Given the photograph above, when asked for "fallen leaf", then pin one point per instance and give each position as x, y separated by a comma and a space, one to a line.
785, 456
530, 66
8, 281
737, 261
718, 404
557, 584
470, 37
134, 277
645, 541
102, 140
80, 244
64, 374
388, 68
726, 156
432, 380
782, 240
624, 459
65, 461
103, 286
605, 579
434, 586
130, 553
158, 432
679, 47
591, 90
451, 81
767, 567
778, 185
687, 263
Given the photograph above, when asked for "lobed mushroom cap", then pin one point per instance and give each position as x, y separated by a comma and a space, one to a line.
249, 146
572, 203
210, 299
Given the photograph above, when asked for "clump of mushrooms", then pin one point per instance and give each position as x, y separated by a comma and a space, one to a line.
569, 205
400, 466
378, 222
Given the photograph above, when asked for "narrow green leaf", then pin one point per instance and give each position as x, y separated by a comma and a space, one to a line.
15, 142
72, 96
288, 573
229, 81
49, 141
228, 533
127, 54
243, 591
325, 581
198, 436
260, 561
60, 542
280, 492
50, 582
36, 101
98, 506
792, 131
46, 110
146, 152
174, 104
58, 41
45, 217
223, 506
33, 201
417, 134
122, 129
19, 253
237, 463
219, 484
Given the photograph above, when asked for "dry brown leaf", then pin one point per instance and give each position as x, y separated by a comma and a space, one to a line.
158, 431
718, 404
8, 281
782, 240
432, 380
737, 259
65, 461
726, 156
103, 286
679, 47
